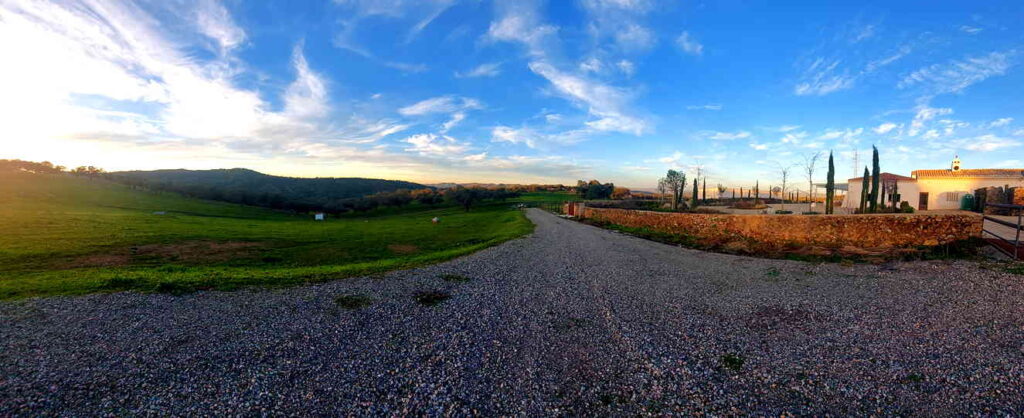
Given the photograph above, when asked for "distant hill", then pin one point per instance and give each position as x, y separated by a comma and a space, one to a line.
239, 185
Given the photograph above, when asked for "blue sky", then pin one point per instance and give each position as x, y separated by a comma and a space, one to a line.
513, 91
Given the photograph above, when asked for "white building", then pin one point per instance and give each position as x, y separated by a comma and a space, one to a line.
938, 189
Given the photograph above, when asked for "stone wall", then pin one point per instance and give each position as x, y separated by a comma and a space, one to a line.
778, 232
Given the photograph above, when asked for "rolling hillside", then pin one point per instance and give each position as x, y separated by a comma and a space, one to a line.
250, 187
63, 234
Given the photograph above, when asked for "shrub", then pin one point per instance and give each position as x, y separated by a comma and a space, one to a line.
732, 361
783, 212
811, 213
174, 288
454, 278
352, 301
906, 208
431, 297
747, 204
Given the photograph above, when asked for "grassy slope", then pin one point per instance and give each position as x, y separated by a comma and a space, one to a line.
49, 224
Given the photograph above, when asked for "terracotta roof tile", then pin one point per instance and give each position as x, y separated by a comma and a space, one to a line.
972, 172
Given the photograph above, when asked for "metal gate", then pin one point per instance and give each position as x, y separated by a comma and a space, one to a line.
1014, 248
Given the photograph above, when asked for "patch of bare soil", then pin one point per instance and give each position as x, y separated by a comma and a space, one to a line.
192, 252
403, 248
100, 260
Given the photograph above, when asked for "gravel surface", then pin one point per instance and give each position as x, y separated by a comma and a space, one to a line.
570, 320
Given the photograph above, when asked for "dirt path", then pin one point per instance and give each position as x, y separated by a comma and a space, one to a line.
572, 319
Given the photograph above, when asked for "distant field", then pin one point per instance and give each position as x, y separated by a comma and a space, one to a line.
70, 235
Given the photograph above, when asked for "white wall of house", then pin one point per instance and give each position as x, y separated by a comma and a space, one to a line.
945, 193
908, 191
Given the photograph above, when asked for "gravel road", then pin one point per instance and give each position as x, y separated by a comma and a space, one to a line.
570, 320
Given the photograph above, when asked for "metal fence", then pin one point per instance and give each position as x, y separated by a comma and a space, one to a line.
1014, 248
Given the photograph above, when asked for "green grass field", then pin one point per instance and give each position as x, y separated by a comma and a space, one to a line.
70, 235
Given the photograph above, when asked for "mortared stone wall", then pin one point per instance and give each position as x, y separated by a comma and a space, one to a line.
874, 231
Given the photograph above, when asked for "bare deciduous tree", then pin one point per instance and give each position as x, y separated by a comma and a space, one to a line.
810, 164
784, 171
662, 188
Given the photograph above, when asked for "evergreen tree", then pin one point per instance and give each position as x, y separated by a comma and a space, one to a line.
704, 192
830, 186
864, 191
694, 203
876, 175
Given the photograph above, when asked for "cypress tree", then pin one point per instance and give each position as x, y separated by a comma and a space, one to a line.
830, 186
864, 191
694, 205
895, 198
876, 175
704, 191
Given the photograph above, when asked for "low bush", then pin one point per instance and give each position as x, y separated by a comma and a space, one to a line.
352, 302
431, 297
748, 204
174, 288
732, 361
454, 278
783, 212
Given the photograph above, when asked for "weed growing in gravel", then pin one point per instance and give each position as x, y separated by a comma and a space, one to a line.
772, 272
352, 302
431, 297
174, 288
1016, 269
732, 361
454, 278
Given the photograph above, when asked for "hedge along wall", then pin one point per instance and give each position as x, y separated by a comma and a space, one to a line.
780, 231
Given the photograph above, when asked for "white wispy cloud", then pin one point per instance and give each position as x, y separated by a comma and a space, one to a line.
521, 22
1000, 122
514, 136
704, 107
955, 76
440, 104
823, 77
970, 29
604, 102
987, 142
490, 69
689, 44
214, 21
923, 115
727, 136
864, 32
456, 118
621, 22
626, 67
885, 128
431, 144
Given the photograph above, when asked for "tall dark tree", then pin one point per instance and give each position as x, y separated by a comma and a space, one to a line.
694, 205
876, 176
704, 191
830, 186
864, 191
895, 199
